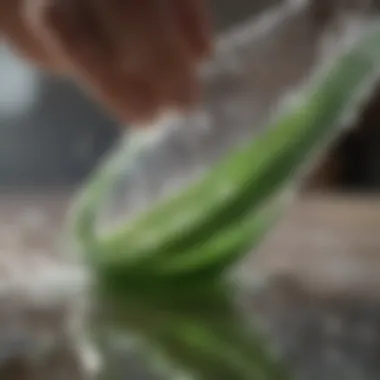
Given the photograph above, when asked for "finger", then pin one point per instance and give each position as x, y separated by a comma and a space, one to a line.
75, 36
181, 88
133, 101
149, 43
130, 98
142, 31
22, 39
194, 23
69, 30
181, 92
79, 40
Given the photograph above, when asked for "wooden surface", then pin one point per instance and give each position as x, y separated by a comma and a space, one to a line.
330, 242
325, 329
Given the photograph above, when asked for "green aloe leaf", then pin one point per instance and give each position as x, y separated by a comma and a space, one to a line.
240, 184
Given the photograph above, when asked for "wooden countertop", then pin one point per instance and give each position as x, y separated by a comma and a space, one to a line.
329, 242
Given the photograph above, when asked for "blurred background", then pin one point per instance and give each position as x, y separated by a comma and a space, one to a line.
324, 259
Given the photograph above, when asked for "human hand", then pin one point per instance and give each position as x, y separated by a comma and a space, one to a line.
138, 57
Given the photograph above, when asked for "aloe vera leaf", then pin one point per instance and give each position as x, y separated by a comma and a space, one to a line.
218, 253
84, 212
253, 173
216, 351
210, 342
213, 256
